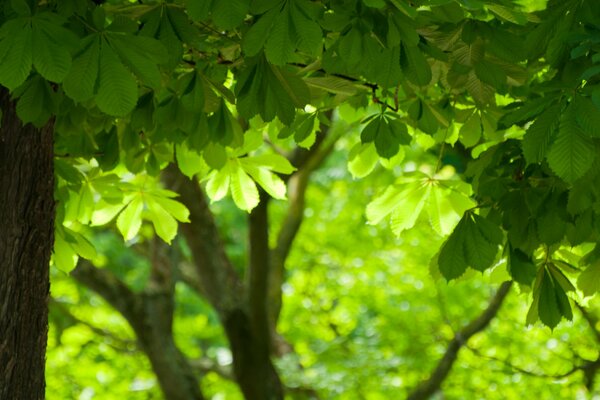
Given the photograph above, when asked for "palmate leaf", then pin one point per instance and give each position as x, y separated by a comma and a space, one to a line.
520, 267
102, 66
541, 134
140, 54
155, 205
445, 207
39, 40
243, 189
129, 220
269, 91
80, 82
283, 29
572, 153
240, 175
117, 90
51, 45
473, 243
405, 217
15, 53
415, 65
68, 247
550, 301
36, 101
387, 134
225, 14
393, 197
172, 27
451, 259
362, 159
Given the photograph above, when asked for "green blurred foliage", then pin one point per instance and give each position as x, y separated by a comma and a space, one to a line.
363, 312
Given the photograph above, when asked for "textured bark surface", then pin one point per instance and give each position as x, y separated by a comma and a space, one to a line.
26, 240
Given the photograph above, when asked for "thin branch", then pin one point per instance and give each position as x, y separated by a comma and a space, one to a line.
110, 287
428, 387
591, 319
524, 371
125, 344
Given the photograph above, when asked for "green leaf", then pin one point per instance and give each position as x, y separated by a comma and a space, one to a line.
362, 159
482, 239
215, 155
387, 134
254, 40
190, 162
589, 280
80, 82
51, 56
218, 184
333, 84
405, 217
541, 134
445, 208
117, 90
129, 220
229, 14
15, 53
490, 73
520, 267
520, 113
401, 28
37, 102
587, 115
21, 7
573, 152
269, 91
391, 198
270, 182
64, 257
553, 303
415, 66
192, 97
470, 132
243, 189
274, 162
141, 55
164, 214
452, 260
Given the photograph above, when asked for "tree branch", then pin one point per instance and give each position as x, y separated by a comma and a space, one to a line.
258, 272
125, 344
428, 387
150, 316
219, 281
109, 287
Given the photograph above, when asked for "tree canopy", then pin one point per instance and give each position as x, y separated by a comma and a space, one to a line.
483, 113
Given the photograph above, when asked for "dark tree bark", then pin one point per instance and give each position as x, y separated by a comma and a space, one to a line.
26, 240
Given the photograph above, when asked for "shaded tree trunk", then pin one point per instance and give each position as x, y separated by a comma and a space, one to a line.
26, 240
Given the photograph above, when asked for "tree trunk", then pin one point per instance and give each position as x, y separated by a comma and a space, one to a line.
26, 240
254, 372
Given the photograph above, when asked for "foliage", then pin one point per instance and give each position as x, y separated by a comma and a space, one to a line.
504, 94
